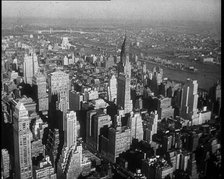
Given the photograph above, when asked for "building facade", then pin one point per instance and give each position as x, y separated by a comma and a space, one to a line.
22, 142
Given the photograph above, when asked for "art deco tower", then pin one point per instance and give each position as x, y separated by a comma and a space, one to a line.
124, 80
22, 142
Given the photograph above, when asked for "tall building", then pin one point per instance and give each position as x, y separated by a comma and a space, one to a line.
52, 145
22, 142
96, 121
218, 97
73, 166
65, 43
69, 165
189, 99
158, 73
124, 80
136, 126
35, 63
70, 132
30, 67
58, 98
40, 91
150, 125
117, 141
165, 109
112, 89
37, 129
75, 100
5, 163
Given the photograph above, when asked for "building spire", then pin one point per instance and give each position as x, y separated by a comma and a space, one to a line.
123, 48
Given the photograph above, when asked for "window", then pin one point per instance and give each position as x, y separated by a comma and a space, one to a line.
24, 126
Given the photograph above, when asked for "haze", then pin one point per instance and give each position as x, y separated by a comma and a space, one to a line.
180, 10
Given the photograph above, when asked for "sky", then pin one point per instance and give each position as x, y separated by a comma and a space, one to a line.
201, 10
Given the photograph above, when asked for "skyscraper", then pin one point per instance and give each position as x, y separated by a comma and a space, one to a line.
118, 141
35, 63
112, 89
96, 121
40, 88
71, 156
70, 132
30, 67
136, 126
37, 129
5, 159
75, 100
189, 100
58, 97
22, 142
124, 80
150, 125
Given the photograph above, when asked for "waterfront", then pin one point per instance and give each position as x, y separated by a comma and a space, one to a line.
207, 74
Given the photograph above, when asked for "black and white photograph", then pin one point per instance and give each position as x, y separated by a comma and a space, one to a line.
111, 89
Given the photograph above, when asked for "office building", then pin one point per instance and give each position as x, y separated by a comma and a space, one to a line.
5, 162
189, 100
124, 80
167, 142
96, 122
37, 129
52, 145
91, 95
136, 126
73, 168
71, 154
165, 110
70, 130
44, 170
22, 142
75, 100
158, 73
117, 141
40, 91
124, 93
156, 168
150, 123
58, 98
204, 115
112, 89
30, 67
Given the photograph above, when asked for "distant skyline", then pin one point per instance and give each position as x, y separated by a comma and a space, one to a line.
179, 10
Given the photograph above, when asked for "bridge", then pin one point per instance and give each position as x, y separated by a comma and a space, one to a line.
50, 31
